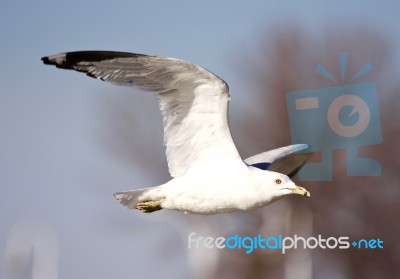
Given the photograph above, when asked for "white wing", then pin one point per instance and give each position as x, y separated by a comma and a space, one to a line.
193, 101
287, 160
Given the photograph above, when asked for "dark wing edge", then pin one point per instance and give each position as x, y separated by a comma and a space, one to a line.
70, 60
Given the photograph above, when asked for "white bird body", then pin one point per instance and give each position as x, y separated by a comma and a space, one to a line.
224, 189
208, 174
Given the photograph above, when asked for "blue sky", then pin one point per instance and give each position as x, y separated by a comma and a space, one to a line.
52, 169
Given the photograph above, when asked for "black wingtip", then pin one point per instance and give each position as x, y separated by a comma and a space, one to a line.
68, 60
46, 60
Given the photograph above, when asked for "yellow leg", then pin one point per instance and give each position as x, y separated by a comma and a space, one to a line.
149, 206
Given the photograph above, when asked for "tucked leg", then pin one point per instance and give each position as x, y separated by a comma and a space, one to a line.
149, 206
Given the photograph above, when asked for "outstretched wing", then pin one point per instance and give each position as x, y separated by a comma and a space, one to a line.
287, 160
193, 101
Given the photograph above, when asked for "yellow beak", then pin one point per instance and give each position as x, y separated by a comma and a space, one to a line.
300, 191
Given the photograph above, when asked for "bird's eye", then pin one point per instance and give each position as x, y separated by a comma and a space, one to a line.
278, 181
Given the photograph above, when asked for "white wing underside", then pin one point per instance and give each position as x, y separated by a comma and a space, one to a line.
192, 100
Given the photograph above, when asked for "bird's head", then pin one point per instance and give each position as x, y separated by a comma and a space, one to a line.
274, 185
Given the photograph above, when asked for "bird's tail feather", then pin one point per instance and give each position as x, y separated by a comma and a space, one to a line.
132, 199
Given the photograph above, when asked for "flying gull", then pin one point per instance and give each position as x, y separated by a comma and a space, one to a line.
208, 174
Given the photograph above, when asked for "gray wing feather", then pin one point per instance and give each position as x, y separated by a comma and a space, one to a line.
287, 160
193, 101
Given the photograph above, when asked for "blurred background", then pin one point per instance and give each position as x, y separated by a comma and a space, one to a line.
69, 142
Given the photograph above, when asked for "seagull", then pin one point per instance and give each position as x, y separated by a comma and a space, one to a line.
208, 174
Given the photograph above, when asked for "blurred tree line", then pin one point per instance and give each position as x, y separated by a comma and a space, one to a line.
358, 207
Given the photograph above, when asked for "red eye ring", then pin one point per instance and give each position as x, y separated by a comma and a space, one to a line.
278, 181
